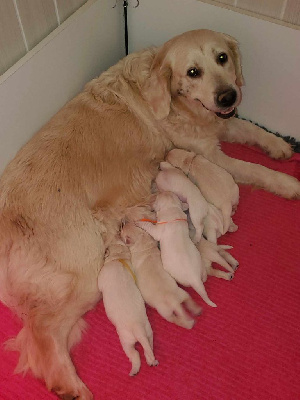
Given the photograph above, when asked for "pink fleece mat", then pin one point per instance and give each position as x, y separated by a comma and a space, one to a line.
246, 348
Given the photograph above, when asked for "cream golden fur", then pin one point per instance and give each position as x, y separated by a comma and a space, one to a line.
102, 150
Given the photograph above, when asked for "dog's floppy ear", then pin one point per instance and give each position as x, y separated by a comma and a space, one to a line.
156, 90
234, 48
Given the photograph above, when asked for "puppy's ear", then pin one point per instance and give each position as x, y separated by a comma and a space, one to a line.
156, 90
165, 165
126, 239
234, 48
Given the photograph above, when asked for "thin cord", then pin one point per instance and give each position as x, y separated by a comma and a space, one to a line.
125, 6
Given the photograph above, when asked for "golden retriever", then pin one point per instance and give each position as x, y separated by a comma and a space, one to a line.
101, 151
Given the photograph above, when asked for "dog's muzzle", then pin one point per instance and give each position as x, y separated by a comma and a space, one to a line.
226, 100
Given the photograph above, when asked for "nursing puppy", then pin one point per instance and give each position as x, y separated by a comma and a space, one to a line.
157, 287
215, 183
179, 255
173, 180
205, 217
125, 306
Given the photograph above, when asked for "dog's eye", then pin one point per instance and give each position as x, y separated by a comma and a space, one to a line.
222, 58
193, 72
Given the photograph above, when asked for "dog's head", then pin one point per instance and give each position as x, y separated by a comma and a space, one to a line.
200, 67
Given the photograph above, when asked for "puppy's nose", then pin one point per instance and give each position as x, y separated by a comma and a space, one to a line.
226, 98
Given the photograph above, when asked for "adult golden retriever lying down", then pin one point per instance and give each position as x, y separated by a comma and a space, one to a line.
102, 151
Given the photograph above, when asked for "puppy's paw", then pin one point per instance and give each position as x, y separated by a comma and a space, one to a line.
177, 313
155, 363
181, 318
280, 149
229, 258
229, 276
232, 227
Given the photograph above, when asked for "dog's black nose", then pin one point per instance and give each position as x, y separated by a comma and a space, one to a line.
226, 98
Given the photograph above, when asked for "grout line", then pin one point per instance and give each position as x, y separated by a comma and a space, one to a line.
44, 42
20, 24
253, 14
56, 11
283, 9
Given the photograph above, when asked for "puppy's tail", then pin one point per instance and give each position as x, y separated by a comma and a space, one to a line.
200, 289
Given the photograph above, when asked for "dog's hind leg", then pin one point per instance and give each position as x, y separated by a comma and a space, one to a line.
128, 345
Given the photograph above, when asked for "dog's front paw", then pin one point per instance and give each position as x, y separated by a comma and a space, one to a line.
286, 186
280, 149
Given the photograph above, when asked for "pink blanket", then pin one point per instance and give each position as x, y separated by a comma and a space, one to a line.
248, 348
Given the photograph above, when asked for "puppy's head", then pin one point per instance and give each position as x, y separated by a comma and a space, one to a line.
136, 238
129, 233
165, 200
200, 67
181, 159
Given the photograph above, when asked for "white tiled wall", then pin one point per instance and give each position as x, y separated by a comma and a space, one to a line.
24, 23
54, 71
280, 10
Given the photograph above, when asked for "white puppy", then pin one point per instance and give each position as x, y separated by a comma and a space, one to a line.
174, 180
158, 288
215, 184
180, 256
125, 306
